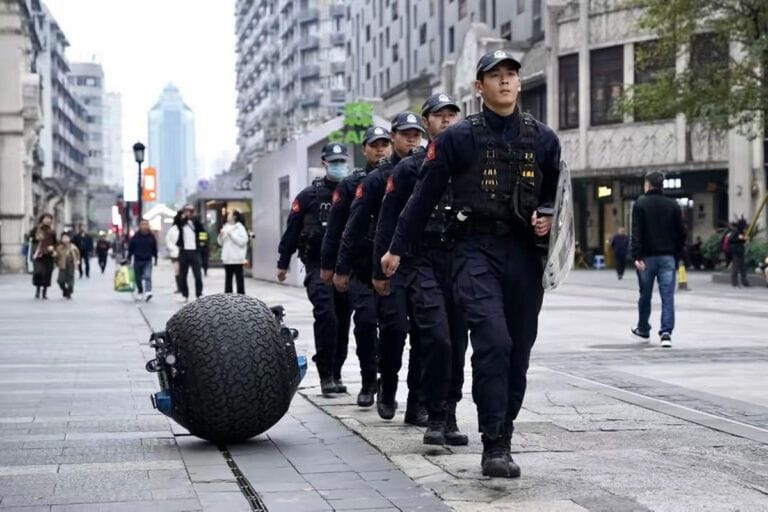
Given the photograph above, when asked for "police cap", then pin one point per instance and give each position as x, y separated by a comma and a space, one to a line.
492, 59
437, 102
405, 121
375, 133
334, 151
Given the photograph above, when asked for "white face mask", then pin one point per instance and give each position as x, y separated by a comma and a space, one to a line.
337, 171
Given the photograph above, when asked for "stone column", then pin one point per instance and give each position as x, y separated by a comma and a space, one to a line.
584, 93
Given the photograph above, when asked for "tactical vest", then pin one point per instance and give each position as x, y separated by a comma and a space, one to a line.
315, 221
502, 185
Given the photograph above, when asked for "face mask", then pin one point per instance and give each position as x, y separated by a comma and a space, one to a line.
337, 171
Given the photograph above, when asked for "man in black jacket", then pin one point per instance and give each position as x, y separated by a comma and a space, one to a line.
658, 240
84, 243
191, 232
143, 249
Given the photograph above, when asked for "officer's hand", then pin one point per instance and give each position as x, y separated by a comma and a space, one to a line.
541, 225
389, 264
640, 265
281, 273
326, 276
381, 286
341, 282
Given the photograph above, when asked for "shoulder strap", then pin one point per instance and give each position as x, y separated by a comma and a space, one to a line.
529, 130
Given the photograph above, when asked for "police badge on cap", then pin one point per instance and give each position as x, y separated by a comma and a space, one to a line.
492, 59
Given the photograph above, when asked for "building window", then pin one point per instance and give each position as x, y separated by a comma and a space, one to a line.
534, 101
415, 62
569, 91
285, 201
367, 33
538, 32
386, 33
415, 17
483, 11
506, 31
462, 9
606, 79
520, 6
450, 40
388, 79
394, 10
709, 55
650, 66
395, 53
423, 33
367, 70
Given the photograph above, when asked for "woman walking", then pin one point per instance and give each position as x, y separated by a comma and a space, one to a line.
44, 239
233, 240
67, 259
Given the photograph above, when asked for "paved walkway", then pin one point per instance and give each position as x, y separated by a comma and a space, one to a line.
608, 424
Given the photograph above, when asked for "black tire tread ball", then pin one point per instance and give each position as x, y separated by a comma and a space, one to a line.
235, 369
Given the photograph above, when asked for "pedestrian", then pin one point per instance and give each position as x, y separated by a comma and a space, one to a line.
697, 259
143, 249
737, 239
377, 145
84, 243
67, 258
205, 250
188, 242
102, 250
395, 310
658, 240
171, 245
497, 268
429, 283
304, 231
43, 238
619, 246
233, 239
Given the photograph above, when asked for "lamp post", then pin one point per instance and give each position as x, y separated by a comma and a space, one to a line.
138, 155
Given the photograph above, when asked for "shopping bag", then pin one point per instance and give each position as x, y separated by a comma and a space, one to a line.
125, 281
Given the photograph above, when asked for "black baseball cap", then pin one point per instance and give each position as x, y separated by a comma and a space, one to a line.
492, 59
334, 151
405, 121
437, 102
375, 133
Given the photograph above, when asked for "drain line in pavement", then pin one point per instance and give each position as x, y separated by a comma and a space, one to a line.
254, 500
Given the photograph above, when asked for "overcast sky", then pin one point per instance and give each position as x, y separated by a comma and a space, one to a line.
144, 44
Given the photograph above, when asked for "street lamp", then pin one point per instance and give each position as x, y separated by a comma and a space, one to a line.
138, 155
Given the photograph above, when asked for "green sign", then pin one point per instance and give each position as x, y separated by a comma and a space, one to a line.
358, 117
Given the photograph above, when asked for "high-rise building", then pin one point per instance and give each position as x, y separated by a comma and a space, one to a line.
63, 135
402, 51
291, 64
86, 79
171, 147
113, 139
20, 119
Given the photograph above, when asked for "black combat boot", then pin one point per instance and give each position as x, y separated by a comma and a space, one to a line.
453, 436
497, 460
435, 433
385, 401
415, 412
328, 386
37, 292
340, 387
367, 394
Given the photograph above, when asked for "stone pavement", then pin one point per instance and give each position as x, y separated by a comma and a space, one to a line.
608, 424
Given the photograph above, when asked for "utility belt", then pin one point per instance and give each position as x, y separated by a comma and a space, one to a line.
309, 247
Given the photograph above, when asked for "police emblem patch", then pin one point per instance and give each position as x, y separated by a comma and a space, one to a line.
359, 192
390, 184
499, 54
378, 131
431, 151
336, 198
444, 98
295, 206
337, 149
411, 118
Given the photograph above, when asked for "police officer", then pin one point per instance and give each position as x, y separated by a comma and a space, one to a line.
376, 146
442, 329
393, 310
497, 269
304, 231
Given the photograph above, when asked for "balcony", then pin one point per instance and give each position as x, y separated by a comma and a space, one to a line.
338, 95
310, 99
337, 11
309, 71
308, 42
338, 67
307, 15
338, 39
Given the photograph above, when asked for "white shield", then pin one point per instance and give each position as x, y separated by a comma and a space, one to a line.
562, 238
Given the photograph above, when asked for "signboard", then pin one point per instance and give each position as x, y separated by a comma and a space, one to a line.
149, 184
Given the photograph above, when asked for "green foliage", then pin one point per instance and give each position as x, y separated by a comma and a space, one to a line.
757, 251
357, 117
712, 248
722, 91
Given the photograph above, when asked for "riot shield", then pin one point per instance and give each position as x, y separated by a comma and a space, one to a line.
562, 238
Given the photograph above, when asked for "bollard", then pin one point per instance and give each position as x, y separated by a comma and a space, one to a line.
682, 278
